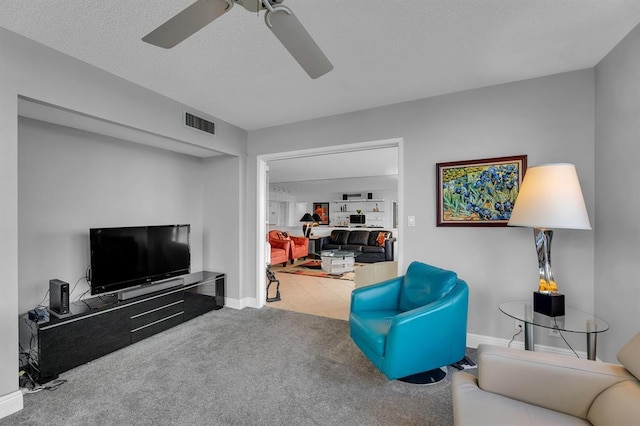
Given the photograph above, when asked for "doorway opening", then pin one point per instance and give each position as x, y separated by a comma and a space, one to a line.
263, 201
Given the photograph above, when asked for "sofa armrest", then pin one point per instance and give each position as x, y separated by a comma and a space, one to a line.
378, 297
388, 249
472, 407
561, 383
320, 243
469, 402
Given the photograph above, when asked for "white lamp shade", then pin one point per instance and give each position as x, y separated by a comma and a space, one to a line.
550, 197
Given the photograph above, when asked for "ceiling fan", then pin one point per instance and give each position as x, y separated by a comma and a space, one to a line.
278, 17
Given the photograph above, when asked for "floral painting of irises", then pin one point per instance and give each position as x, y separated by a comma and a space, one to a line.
479, 192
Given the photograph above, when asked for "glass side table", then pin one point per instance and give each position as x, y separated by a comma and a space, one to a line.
572, 321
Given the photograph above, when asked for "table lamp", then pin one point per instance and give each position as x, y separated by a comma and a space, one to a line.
549, 197
306, 226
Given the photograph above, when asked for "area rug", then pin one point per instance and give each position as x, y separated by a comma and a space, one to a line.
312, 264
313, 269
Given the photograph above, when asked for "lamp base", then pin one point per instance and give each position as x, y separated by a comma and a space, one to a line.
549, 304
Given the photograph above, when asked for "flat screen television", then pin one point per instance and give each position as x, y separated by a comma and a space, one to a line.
130, 256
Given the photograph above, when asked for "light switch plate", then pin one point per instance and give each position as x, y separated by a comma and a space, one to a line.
411, 221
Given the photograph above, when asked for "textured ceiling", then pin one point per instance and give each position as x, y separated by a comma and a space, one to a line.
383, 52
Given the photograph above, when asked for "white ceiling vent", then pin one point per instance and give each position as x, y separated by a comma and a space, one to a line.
199, 123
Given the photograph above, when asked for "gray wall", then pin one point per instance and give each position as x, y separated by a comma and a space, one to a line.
8, 238
33, 71
550, 119
70, 180
617, 231
223, 193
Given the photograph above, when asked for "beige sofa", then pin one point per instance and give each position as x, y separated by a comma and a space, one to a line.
516, 387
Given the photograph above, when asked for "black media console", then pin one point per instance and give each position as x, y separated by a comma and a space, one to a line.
104, 324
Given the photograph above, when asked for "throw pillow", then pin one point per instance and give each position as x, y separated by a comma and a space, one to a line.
382, 237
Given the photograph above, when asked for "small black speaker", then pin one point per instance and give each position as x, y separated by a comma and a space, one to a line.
370, 195
345, 197
58, 297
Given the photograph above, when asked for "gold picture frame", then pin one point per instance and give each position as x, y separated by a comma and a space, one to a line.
478, 192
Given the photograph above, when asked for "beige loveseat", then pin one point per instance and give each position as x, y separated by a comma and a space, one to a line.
516, 387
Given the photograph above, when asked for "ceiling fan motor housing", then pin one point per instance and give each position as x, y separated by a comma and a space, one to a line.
256, 5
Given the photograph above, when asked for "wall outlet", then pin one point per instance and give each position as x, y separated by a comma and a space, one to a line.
519, 325
554, 332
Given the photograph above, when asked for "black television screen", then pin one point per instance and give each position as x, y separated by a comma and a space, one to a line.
125, 257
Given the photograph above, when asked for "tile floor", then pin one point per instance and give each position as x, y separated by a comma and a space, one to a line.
325, 297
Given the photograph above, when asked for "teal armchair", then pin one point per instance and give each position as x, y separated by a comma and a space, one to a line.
412, 325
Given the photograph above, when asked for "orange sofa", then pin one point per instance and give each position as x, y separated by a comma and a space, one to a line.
298, 246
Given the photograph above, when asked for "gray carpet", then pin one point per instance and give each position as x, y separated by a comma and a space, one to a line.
247, 367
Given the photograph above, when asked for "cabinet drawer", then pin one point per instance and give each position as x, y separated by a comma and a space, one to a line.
155, 302
154, 315
156, 327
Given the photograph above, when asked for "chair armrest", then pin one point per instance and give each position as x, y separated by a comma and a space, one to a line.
283, 244
561, 383
377, 297
299, 241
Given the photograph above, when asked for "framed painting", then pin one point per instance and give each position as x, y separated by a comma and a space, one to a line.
478, 192
322, 210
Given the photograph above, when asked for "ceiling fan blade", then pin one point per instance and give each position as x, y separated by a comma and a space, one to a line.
293, 36
187, 22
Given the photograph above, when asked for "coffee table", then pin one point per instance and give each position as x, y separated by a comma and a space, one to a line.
337, 261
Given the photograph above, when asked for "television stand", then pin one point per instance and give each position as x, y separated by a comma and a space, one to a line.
103, 324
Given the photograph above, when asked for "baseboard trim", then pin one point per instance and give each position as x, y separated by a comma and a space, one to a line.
11, 403
473, 340
247, 302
